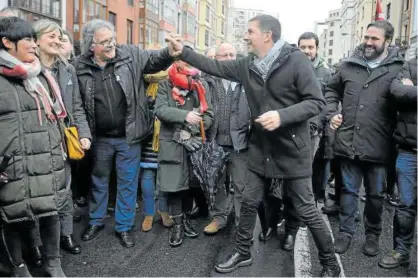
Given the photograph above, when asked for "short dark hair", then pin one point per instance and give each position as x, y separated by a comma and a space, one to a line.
15, 29
309, 36
386, 26
70, 37
269, 23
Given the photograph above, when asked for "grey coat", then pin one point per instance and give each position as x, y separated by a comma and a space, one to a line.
173, 162
36, 168
68, 83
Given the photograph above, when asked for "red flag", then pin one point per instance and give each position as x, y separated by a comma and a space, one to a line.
379, 11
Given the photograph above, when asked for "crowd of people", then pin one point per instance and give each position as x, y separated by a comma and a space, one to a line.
140, 114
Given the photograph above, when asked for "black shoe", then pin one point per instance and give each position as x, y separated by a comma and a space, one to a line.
371, 246
21, 271
70, 245
392, 199
37, 257
289, 242
189, 231
331, 271
394, 260
197, 212
268, 236
332, 197
357, 217
233, 262
176, 235
126, 238
331, 210
91, 232
81, 202
342, 242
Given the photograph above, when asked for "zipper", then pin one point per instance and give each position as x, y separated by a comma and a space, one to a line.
109, 100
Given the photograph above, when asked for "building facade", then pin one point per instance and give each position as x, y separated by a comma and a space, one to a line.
33, 10
240, 23
348, 24
332, 43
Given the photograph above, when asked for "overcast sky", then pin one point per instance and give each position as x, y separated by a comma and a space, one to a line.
296, 16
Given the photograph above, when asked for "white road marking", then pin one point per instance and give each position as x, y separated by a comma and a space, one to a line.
302, 254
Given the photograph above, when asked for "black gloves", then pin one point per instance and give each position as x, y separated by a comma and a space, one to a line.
191, 143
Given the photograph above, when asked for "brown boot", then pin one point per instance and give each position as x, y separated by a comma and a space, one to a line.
147, 223
166, 219
212, 228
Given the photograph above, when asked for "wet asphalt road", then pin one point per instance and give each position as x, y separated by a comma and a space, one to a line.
152, 255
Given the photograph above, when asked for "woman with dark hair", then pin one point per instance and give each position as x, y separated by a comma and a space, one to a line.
31, 149
49, 36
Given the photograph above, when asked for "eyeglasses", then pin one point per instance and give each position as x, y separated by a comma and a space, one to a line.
107, 43
224, 55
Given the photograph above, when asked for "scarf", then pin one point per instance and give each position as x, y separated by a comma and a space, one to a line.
29, 72
152, 90
264, 64
183, 79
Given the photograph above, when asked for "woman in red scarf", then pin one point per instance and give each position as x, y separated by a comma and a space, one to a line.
182, 103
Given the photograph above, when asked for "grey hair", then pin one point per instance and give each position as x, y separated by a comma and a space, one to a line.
90, 29
218, 48
10, 11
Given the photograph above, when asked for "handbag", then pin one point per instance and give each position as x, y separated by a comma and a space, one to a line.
72, 140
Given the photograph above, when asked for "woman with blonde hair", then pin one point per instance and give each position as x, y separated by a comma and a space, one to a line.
49, 35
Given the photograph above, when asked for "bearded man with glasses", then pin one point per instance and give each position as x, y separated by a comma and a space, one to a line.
111, 83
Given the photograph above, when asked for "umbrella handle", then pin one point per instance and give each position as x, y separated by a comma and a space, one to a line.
202, 131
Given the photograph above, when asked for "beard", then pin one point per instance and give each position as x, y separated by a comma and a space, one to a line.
372, 52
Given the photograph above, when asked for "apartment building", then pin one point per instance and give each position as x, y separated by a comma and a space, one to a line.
332, 39
189, 18
33, 10
240, 22
206, 36
348, 25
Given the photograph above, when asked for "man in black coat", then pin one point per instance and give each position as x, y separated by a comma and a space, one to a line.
404, 89
283, 94
364, 130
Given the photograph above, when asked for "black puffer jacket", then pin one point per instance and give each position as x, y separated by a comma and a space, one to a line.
132, 64
406, 98
368, 109
36, 164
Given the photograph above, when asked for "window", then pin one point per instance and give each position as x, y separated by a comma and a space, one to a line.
406, 5
206, 37
131, 3
112, 18
152, 5
223, 7
76, 10
361, 33
129, 38
405, 32
329, 51
331, 24
388, 11
362, 13
331, 43
331, 33
207, 13
222, 28
330, 61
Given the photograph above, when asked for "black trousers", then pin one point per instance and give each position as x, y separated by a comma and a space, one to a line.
179, 202
13, 237
301, 206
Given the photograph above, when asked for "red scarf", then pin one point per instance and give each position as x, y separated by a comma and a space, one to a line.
182, 80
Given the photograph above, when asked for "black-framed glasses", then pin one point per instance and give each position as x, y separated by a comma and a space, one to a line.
107, 43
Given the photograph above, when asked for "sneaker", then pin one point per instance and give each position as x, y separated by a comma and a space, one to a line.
394, 260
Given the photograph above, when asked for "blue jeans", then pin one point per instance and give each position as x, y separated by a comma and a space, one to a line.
406, 212
127, 168
148, 193
374, 175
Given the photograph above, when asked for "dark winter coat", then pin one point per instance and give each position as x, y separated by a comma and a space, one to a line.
234, 114
292, 89
36, 168
174, 169
368, 109
132, 63
406, 99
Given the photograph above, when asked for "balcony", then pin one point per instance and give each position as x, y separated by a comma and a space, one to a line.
51, 10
